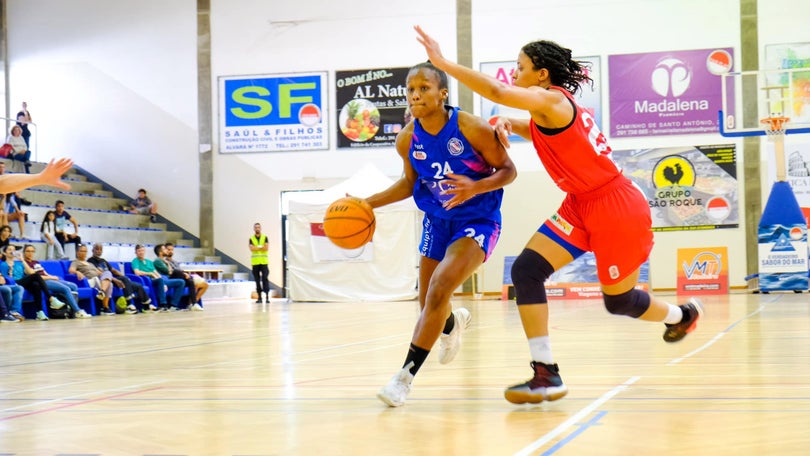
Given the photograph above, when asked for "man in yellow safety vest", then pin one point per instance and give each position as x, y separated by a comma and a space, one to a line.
259, 260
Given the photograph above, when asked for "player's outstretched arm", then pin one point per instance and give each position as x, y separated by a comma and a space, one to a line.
533, 99
51, 175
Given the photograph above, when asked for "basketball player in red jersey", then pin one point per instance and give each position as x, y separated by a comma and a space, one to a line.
602, 212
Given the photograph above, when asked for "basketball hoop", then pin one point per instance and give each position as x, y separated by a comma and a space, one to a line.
775, 126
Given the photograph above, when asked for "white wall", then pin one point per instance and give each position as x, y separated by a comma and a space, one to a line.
260, 37
113, 84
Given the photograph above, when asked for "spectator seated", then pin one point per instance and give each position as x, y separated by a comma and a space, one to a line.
87, 295
147, 285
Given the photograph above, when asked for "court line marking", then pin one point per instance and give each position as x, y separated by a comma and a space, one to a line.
717, 337
577, 417
572, 435
537, 444
50, 401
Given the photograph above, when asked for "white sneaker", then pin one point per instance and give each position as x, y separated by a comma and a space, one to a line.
41, 316
55, 303
450, 344
131, 309
197, 308
82, 314
396, 391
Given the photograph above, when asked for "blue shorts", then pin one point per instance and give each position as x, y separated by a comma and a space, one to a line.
438, 234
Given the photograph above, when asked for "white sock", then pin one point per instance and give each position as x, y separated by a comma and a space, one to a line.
540, 348
674, 315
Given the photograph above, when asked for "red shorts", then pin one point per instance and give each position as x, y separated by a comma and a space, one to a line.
613, 222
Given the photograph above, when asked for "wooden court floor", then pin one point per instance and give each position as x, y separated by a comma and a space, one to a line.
301, 378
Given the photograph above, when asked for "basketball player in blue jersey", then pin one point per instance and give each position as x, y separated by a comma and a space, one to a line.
455, 169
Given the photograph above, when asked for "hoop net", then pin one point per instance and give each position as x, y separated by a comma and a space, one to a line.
775, 126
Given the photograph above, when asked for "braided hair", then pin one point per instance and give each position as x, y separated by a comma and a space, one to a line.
562, 69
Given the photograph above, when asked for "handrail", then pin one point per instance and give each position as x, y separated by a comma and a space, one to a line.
34, 142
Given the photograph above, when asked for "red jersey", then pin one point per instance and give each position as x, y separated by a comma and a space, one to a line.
578, 157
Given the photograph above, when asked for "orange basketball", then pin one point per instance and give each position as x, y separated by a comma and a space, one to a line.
349, 222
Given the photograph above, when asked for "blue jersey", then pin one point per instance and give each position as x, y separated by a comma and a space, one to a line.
449, 152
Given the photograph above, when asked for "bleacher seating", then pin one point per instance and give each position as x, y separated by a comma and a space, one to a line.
59, 269
100, 220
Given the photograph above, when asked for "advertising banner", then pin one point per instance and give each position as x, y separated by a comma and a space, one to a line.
666, 93
785, 57
782, 242
372, 106
576, 280
273, 113
508, 290
702, 270
687, 188
589, 97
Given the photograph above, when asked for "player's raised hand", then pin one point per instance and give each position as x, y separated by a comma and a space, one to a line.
53, 172
431, 46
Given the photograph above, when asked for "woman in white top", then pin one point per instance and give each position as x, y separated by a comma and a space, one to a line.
21, 152
48, 234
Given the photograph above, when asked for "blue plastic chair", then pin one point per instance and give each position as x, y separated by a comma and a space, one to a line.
87, 294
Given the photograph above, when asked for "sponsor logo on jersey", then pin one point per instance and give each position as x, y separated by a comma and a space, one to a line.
562, 224
419, 155
455, 147
613, 271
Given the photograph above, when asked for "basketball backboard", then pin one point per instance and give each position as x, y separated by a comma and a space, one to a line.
780, 93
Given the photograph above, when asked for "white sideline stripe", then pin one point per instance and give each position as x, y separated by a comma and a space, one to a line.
715, 338
697, 350
539, 443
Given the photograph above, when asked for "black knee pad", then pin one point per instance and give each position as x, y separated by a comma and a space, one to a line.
632, 303
529, 273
